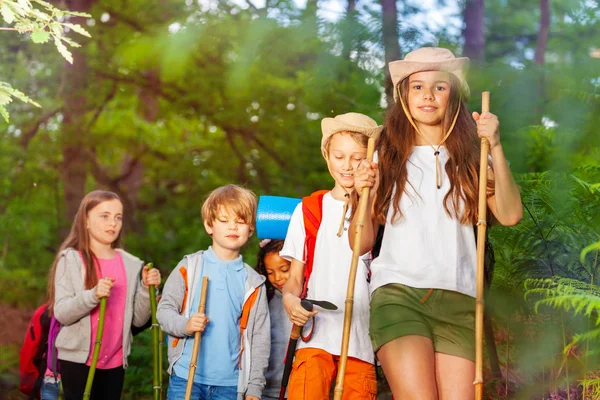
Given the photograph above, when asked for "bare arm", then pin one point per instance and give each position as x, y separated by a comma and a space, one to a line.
291, 291
505, 204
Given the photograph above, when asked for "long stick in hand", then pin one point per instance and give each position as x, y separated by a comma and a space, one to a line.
156, 384
291, 350
481, 230
99, 332
197, 337
362, 208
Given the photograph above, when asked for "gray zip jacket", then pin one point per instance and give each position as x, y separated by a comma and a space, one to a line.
73, 304
255, 339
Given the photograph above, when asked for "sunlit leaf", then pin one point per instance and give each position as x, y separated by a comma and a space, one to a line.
40, 36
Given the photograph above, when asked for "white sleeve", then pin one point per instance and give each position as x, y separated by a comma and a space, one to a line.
296, 235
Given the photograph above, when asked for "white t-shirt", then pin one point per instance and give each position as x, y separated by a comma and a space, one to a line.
426, 248
329, 281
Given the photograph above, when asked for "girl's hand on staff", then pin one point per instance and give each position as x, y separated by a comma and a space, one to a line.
103, 287
196, 323
150, 277
252, 398
487, 127
297, 314
366, 175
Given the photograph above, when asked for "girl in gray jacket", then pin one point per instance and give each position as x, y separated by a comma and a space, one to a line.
88, 267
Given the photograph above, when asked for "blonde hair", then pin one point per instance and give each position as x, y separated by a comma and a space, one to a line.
358, 138
235, 199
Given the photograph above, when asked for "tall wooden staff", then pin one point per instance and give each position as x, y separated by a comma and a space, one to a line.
362, 208
196, 349
99, 332
156, 384
481, 230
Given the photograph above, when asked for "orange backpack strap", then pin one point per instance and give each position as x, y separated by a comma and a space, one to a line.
244, 320
312, 212
184, 275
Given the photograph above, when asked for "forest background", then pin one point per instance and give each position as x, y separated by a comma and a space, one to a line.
169, 99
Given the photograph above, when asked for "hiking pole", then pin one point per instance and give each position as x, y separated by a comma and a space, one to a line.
481, 229
291, 349
362, 208
99, 332
197, 337
156, 386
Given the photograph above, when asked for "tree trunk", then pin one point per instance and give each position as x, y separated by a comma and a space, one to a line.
73, 135
542, 40
539, 59
391, 43
134, 167
473, 32
348, 29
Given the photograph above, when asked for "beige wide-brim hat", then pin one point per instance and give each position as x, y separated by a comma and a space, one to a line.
349, 122
429, 59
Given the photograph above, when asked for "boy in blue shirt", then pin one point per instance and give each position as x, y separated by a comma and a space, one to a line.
235, 346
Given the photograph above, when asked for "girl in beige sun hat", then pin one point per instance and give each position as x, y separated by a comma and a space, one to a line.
423, 209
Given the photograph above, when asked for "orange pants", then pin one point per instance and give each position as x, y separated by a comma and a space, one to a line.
314, 370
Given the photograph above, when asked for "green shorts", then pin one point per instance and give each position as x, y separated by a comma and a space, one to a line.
446, 317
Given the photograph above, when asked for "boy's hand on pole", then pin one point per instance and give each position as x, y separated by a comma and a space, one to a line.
297, 314
196, 323
366, 175
103, 287
150, 277
487, 127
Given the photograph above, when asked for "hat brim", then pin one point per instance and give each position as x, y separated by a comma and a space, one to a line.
331, 126
401, 69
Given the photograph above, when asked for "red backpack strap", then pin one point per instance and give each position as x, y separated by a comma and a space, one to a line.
312, 211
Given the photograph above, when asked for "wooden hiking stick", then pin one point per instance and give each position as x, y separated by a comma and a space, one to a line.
291, 349
481, 230
362, 208
90, 378
156, 384
196, 349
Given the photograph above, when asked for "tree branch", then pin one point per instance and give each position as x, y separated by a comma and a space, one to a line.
99, 110
125, 20
242, 167
31, 132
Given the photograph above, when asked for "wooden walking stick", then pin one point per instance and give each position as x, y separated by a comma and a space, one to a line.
291, 349
90, 378
362, 208
156, 384
196, 349
481, 230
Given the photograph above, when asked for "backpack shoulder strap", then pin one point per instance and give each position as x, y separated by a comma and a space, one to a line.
312, 212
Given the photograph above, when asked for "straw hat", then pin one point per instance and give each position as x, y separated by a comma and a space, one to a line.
429, 59
349, 122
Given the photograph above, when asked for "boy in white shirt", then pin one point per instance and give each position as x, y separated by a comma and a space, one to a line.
317, 245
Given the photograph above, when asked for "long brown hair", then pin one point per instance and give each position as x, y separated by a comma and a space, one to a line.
395, 146
79, 239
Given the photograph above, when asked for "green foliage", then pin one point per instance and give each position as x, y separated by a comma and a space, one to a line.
6, 95
43, 23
